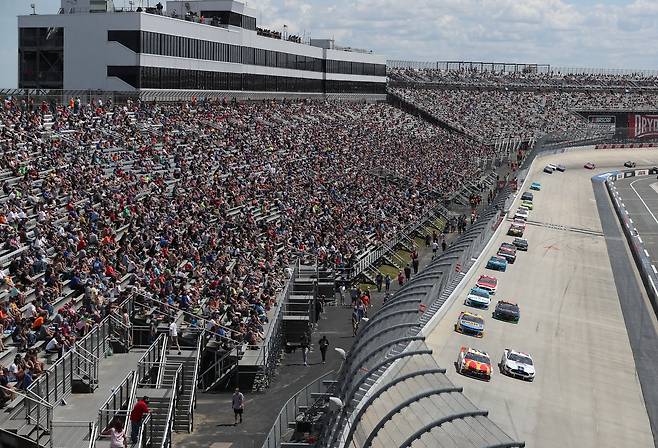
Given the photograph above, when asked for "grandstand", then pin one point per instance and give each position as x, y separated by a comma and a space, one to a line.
234, 218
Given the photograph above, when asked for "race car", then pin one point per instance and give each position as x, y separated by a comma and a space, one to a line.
497, 264
507, 311
527, 196
478, 298
629, 164
515, 230
475, 363
487, 283
535, 186
548, 169
507, 252
560, 168
527, 204
589, 166
470, 323
517, 365
520, 244
521, 213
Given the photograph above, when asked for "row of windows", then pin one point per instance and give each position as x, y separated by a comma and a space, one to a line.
41, 37
355, 68
171, 78
231, 18
185, 47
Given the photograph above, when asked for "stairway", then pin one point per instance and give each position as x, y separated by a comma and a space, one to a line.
13, 420
188, 358
159, 407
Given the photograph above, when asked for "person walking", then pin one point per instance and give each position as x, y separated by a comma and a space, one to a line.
173, 335
400, 278
305, 347
355, 320
444, 245
140, 409
407, 272
435, 248
379, 279
387, 283
324, 345
237, 402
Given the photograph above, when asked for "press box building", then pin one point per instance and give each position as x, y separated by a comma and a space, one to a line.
201, 45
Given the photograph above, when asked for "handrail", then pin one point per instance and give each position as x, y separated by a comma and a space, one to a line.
131, 399
142, 429
192, 404
93, 435
157, 344
38, 399
105, 407
172, 403
196, 316
162, 363
94, 357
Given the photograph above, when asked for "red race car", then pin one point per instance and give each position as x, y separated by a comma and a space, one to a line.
590, 166
474, 362
487, 283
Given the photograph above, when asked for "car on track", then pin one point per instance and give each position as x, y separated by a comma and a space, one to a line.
507, 311
508, 252
548, 169
527, 196
478, 298
517, 365
527, 204
516, 230
535, 186
496, 263
470, 323
630, 164
589, 166
487, 283
521, 213
521, 244
560, 168
476, 363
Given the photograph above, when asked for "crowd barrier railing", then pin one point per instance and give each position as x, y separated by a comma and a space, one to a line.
290, 410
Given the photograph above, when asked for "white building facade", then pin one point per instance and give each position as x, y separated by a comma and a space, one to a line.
205, 45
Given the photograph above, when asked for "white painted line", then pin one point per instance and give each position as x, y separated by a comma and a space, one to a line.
629, 219
647, 253
640, 240
622, 204
645, 204
653, 285
655, 271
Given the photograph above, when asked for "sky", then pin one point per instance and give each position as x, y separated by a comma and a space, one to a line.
567, 33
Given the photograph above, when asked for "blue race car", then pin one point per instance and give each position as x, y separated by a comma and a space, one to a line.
497, 264
478, 298
470, 323
535, 186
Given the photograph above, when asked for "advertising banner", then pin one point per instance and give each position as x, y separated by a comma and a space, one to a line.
642, 125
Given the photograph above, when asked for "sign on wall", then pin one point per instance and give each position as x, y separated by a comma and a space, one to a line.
642, 125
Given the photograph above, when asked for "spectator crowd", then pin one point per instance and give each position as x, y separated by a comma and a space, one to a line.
200, 206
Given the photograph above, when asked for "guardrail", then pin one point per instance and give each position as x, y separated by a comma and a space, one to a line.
290, 411
118, 403
151, 357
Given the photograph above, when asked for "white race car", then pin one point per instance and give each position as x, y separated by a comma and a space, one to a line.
517, 365
478, 297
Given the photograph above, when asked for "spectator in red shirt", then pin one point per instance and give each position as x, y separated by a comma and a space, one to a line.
141, 408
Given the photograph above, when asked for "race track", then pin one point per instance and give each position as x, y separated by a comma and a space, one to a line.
587, 392
640, 198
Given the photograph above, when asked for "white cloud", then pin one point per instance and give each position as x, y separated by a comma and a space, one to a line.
558, 32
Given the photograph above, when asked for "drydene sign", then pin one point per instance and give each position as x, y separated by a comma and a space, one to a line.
640, 125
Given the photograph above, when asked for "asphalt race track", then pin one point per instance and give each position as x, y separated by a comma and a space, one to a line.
587, 392
640, 198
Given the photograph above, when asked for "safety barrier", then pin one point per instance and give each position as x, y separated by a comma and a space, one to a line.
118, 403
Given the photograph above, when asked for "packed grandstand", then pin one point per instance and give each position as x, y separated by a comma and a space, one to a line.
202, 205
